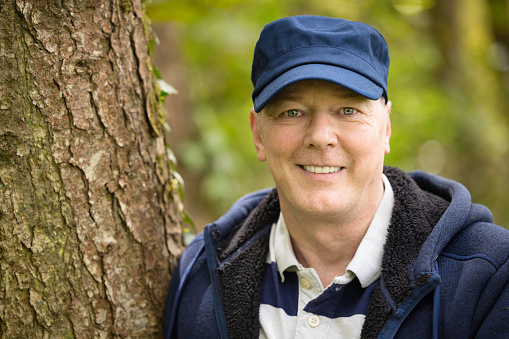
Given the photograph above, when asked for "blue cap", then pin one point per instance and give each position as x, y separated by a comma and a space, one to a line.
348, 53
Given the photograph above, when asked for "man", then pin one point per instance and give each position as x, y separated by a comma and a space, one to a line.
342, 247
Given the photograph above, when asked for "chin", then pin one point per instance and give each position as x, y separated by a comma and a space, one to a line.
324, 204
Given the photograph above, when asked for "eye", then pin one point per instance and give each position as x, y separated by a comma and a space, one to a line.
348, 110
292, 113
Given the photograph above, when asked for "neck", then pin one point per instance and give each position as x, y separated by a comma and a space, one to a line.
328, 244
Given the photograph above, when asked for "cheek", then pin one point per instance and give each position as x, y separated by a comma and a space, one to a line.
276, 149
363, 143
281, 142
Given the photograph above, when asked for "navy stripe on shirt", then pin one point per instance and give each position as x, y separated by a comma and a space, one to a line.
278, 294
342, 300
335, 302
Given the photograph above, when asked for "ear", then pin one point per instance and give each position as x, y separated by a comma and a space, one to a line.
388, 131
257, 137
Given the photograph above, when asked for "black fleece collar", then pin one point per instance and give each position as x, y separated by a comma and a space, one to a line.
414, 215
243, 255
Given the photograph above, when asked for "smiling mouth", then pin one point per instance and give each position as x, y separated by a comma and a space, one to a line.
320, 169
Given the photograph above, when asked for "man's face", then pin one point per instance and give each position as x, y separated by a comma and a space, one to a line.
324, 146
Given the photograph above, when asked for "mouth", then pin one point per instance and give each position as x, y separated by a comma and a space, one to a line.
321, 169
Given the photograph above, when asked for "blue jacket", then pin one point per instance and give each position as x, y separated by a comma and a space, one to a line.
445, 269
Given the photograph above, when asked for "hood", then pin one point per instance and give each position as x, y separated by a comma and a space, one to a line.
460, 214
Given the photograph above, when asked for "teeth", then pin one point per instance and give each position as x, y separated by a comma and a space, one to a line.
318, 169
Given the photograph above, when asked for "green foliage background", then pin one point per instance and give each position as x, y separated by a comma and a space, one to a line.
448, 83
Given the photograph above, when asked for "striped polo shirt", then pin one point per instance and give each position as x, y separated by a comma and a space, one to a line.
294, 304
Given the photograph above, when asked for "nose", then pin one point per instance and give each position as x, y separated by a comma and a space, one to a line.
320, 132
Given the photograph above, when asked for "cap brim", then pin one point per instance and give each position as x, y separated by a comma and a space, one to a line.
334, 74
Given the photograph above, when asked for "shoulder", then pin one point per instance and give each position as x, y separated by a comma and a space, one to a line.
482, 241
224, 226
192, 251
241, 209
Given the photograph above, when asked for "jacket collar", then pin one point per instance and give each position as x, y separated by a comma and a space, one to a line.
415, 214
242, 266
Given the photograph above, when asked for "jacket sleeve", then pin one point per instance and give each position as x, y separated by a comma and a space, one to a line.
178, 279
171, 307
493, 306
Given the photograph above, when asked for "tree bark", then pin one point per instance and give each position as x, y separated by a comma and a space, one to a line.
90, 215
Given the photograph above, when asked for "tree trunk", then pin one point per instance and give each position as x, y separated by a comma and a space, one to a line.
90, 216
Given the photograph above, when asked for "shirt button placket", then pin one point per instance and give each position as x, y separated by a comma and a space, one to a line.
305, 283
313, 321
